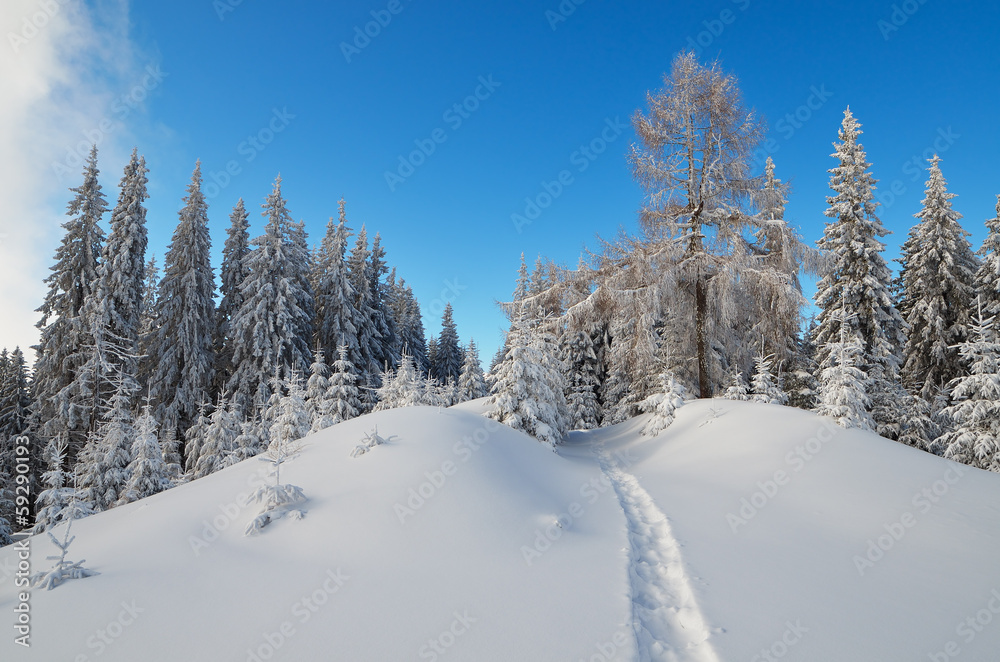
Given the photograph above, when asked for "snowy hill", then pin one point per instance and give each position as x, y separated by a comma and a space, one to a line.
742, 530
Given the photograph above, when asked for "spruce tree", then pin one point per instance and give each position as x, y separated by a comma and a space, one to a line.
147, 319
764, 385
843, 385
938, 270
381, 301
235, 254
471, 383
182, 350
342, 396
858, 279
987, 281
359, 271
663, 404
582, 383
975, 439
220, 440
147, 472
335, 313
738, 388
448, 359
273, 326
60, 351
317, 394
59, 501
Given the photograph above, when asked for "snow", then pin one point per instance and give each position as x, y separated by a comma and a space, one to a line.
462, 539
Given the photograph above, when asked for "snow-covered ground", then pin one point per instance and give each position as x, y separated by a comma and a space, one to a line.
742, 532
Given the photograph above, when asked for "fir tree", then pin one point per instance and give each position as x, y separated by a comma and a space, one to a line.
343, 393
359, 272
182, 351
843, 393
381, 302
335, 313
987, 281
938, 269
663, 404
194, 438
403, 387
858, 279
70, 283
59, 501
975, 439
147, 319
764, 385
448, 358
105, 470
272, 327
220, 441
738, 388
582, 384
317, 394
471, 383
147, 472
235, 270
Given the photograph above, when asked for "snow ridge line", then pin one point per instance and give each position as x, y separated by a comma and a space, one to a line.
666, 619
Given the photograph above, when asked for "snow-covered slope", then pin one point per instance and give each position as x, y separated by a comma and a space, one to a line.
463, 540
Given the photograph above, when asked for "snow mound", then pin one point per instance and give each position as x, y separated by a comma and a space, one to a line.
741, 530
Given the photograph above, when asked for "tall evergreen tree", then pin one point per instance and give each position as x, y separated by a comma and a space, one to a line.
182, 351
71, 281
235, 254
448, 360
335, 313
858, 279
938, 270
582, 383
381, 297
359, 272
843, 385
343, 393
987, 282
272, 328
975, 439
471, 383
147, 319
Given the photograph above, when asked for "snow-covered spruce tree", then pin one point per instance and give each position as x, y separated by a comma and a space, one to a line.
938, 270
182, 350
334, 293
403, 387
529, 391
103, 469
843, 385
738, 388
170, 446
764, 385
58, 502
220, 440
359, 273
248, 444
272, 327
194, 438
432, 351
975, 438
582, 383
235, 254
987, 281
382, 319
800, 377
858, 279
147, 318
448, 359
663, 404
62, 570
471, 383
114, 306
147, 472
15, 398
410, 337
317, 394
344, 403
277, 500
72, 279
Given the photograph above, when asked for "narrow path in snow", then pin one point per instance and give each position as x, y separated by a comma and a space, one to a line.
668, 624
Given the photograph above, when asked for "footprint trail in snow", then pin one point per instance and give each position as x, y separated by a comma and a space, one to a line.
668, 624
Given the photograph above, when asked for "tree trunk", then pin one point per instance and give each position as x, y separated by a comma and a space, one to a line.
701, 333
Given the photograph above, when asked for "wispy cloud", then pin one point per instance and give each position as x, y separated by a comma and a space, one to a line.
63, 66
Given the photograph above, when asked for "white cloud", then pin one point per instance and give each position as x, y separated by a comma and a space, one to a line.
63, 66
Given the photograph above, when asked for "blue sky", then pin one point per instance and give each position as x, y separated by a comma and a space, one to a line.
536, 84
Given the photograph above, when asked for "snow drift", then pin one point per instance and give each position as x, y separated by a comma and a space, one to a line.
741, 532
